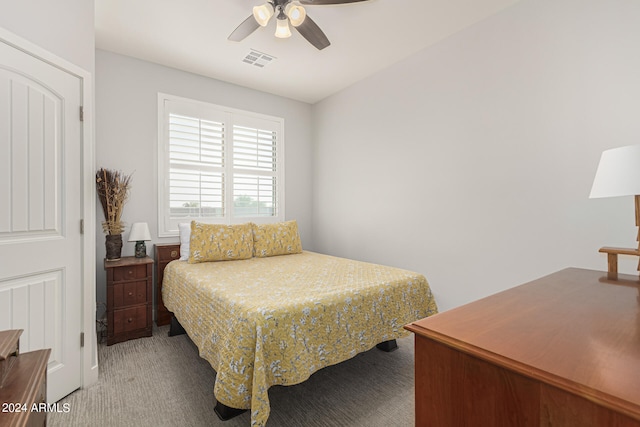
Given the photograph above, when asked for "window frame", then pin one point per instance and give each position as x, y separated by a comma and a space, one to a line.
168, 227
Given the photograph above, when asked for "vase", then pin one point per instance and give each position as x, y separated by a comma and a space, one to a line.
114, 246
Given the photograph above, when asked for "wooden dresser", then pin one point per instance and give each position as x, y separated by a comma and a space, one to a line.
129, 298
23, 383
165, 253
563, 350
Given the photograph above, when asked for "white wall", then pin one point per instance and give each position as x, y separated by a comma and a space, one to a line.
63, 27
472, 161
126, 137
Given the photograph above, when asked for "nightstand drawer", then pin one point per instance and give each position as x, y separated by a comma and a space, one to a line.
130, 272
129, 293
166, 254
129, 319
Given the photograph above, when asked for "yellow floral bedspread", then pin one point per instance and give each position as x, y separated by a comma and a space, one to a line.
266, 321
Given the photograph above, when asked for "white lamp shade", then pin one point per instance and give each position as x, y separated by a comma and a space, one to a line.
295, 13
139, 232
618, 173
263, 13
282, 29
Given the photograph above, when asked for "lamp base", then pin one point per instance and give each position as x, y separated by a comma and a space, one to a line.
612, 259
141, 249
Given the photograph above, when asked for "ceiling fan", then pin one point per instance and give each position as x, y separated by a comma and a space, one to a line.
287, 11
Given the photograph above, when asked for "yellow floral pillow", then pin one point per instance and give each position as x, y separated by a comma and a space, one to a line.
281, 238
219, 242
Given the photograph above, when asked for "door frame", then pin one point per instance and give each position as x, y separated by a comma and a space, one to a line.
89, 352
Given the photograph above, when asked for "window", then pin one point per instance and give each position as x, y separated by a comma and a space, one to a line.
217, 165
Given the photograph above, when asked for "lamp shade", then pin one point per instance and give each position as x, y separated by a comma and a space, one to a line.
139, 232
282, 29
618, 173
295, 13
263, 13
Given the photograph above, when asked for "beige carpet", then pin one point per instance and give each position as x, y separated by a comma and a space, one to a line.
161, 381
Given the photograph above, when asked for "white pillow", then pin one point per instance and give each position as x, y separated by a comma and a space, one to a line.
185, 237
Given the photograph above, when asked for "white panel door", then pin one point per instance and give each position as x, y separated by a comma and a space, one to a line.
40, 212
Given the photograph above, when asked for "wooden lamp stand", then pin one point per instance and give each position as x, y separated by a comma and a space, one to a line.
612, 253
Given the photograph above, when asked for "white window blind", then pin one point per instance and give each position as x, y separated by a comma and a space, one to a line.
255, 170
196, 167
217, 165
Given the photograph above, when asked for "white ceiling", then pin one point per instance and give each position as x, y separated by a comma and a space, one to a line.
365, 37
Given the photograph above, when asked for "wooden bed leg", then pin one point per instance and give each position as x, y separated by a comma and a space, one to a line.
388, 346
225, 412
176, 328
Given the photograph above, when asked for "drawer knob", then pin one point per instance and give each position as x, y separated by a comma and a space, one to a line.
130, 293
174, 254
130, 320
130, 272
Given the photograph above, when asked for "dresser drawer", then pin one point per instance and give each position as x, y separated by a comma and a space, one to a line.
130, 272
129, 293
166, 254
129, 319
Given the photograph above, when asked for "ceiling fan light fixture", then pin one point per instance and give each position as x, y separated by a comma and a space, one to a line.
295, 13
287, 11
263, 14
282, 27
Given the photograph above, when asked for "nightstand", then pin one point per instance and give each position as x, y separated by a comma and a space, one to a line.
165, 253
129, 298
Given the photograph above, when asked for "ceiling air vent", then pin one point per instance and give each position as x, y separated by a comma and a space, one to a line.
257, 58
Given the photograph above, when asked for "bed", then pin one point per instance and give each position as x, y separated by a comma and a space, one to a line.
275, 320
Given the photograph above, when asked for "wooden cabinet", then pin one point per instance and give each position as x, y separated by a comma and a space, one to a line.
165, 253
559, 351
23, 383
129, 298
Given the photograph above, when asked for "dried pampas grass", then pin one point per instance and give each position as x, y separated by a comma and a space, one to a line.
113, 192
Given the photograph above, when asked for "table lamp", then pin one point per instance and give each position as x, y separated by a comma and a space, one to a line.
140, 233
618, 174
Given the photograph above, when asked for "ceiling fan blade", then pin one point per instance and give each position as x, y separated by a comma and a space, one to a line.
247, 27
313, 33
321, 2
